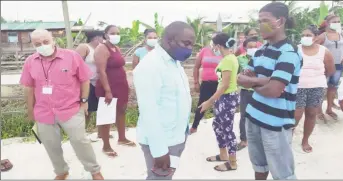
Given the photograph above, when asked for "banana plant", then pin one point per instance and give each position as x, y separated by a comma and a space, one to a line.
157, 25
202, 32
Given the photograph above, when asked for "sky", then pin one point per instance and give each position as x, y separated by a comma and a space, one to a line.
122, 13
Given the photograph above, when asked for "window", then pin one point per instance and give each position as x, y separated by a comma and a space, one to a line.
12, 37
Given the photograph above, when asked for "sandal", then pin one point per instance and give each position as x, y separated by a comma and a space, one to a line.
127, 143
6, 165
241, 146
227, 166
217, 159
332, 115
111, 154
322, 118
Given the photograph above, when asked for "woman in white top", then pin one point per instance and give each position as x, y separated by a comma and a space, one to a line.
86, 50
318, 63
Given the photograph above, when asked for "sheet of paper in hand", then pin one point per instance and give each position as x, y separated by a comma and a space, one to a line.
106, 113
35, 132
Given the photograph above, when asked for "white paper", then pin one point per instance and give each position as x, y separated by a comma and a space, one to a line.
106, 114
47, 90
174, 161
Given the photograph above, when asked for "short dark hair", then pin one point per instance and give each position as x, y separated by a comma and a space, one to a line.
279, 9
223, 39
92, 34
147, 31
313, 29
107, 29
173, 29
252, 39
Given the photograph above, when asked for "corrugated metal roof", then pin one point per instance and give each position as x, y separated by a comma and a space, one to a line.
17, 26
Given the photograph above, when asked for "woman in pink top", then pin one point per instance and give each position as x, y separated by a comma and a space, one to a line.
208, 61
249, 33
317, 65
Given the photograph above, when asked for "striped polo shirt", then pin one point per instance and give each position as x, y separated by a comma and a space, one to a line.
282, 62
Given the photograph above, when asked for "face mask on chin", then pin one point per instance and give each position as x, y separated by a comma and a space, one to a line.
306, 41
45, 50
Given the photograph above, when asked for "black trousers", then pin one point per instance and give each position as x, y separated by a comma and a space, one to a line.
245, 97
207, 89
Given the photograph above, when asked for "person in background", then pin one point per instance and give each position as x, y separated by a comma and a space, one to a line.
332, 39
318, 64
340, 96
249, 33
6, 165
208, 60
164, 101
56, 88
250, 46
273, 73
112, 83
86, 50
225, 100
151, 39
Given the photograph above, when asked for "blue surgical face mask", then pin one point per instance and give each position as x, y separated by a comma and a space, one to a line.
180, 53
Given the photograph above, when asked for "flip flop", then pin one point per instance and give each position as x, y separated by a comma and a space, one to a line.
217, 159
240, 146
6, 165
227, 166
127, 143
111, 154
322, 118
332, 115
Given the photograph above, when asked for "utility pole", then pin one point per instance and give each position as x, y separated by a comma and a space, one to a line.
67, 25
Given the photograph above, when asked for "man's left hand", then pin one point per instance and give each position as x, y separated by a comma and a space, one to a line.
84, 106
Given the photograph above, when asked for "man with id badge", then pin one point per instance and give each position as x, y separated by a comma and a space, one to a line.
56, 89
164, 101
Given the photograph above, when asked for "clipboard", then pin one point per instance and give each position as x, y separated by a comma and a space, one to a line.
35, 133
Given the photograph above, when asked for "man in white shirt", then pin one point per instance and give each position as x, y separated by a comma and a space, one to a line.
164, 100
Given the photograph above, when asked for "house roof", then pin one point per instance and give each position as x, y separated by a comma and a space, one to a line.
20, 26
85, 28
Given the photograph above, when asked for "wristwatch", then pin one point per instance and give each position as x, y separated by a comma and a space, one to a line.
83, 100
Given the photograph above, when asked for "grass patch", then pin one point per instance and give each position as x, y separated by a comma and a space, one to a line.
17, 125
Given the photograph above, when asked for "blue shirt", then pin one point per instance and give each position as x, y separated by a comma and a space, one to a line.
282, 62
141, 52
164, 101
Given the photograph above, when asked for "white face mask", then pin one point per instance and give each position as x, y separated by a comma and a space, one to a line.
114, 39
306, 41
45, 50
336, 26
151, 42
251, 51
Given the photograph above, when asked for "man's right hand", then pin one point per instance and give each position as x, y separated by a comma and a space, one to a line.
162, 162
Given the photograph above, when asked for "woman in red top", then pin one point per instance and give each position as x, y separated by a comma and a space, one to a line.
250, 32
112, 83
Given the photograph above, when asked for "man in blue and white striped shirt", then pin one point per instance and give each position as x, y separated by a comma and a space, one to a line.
273, 73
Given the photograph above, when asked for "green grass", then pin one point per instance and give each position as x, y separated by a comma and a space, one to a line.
17, 125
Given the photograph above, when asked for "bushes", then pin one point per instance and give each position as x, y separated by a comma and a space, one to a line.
17, 125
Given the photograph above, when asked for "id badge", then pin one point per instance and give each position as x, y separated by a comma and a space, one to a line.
47, 89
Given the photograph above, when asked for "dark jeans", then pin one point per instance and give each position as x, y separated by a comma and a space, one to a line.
207, 89
245, 98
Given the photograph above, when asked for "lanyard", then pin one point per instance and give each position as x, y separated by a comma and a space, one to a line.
46, 73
